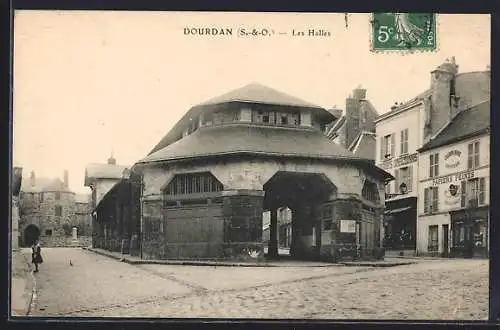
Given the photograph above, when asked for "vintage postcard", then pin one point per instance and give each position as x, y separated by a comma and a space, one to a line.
251, 165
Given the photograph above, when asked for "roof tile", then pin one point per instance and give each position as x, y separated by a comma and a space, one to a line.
467, 123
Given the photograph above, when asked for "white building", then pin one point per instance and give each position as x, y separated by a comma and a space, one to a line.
406, 128
454, 196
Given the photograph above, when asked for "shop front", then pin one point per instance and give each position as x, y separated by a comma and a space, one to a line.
400, 223
470, 232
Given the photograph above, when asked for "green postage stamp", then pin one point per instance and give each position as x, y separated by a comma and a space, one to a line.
403, 31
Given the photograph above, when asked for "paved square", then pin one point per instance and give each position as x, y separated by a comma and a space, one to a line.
453, 289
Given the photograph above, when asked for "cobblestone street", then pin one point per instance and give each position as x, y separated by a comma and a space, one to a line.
96, 285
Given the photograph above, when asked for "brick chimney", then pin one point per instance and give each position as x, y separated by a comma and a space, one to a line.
32, 179
444, 101
355, 115
111, 160
66, 179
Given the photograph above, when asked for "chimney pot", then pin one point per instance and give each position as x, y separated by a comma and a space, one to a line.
66, 179
32, 178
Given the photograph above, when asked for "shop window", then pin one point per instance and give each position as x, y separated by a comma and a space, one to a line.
433, 244
58, 211
193, 183
404, 141
473, 155
431, 198
433, 165
370, 192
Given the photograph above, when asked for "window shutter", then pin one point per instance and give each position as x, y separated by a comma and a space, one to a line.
476, 154
402, 142
396, 176
470, 155
426, 200
463, 193
436, 163
393, 145
409, 184
382, 152
435, 196
482, 191
431, 161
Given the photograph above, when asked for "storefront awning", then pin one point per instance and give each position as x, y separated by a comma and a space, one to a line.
399, 210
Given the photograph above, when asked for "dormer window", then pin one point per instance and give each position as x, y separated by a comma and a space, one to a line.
265, 118
284, 119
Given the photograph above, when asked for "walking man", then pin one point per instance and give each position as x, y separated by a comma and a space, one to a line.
36, 255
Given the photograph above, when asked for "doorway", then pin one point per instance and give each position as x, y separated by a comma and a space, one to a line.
302, 193
31, 234
446, 243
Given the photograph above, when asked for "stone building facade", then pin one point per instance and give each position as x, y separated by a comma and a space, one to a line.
407, 127
47, 210
204, 187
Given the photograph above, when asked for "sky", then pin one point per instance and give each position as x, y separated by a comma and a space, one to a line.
88, 84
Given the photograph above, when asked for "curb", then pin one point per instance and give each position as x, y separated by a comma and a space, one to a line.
222, 264
33, 296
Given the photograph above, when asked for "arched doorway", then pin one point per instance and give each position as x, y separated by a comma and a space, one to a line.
304, 194
31, 234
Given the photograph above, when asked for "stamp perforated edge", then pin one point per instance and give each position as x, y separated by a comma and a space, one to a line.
404, 51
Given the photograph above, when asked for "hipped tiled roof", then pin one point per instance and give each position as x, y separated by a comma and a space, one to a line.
103, 171
468, 123
231, 139
251, 93
257, 93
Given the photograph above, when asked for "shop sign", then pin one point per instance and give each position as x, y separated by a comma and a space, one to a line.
347, 226
400, 161
452, 158
452, 194
406, 159
467, 175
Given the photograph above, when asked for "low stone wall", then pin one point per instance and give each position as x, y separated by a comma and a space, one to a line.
65, 241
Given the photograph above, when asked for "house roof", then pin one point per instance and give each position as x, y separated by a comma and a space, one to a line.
336, 127
365, 145
468, 123
227, 139
251, 93
103, 171
471, 87
257, 93
43, 184
256, 140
